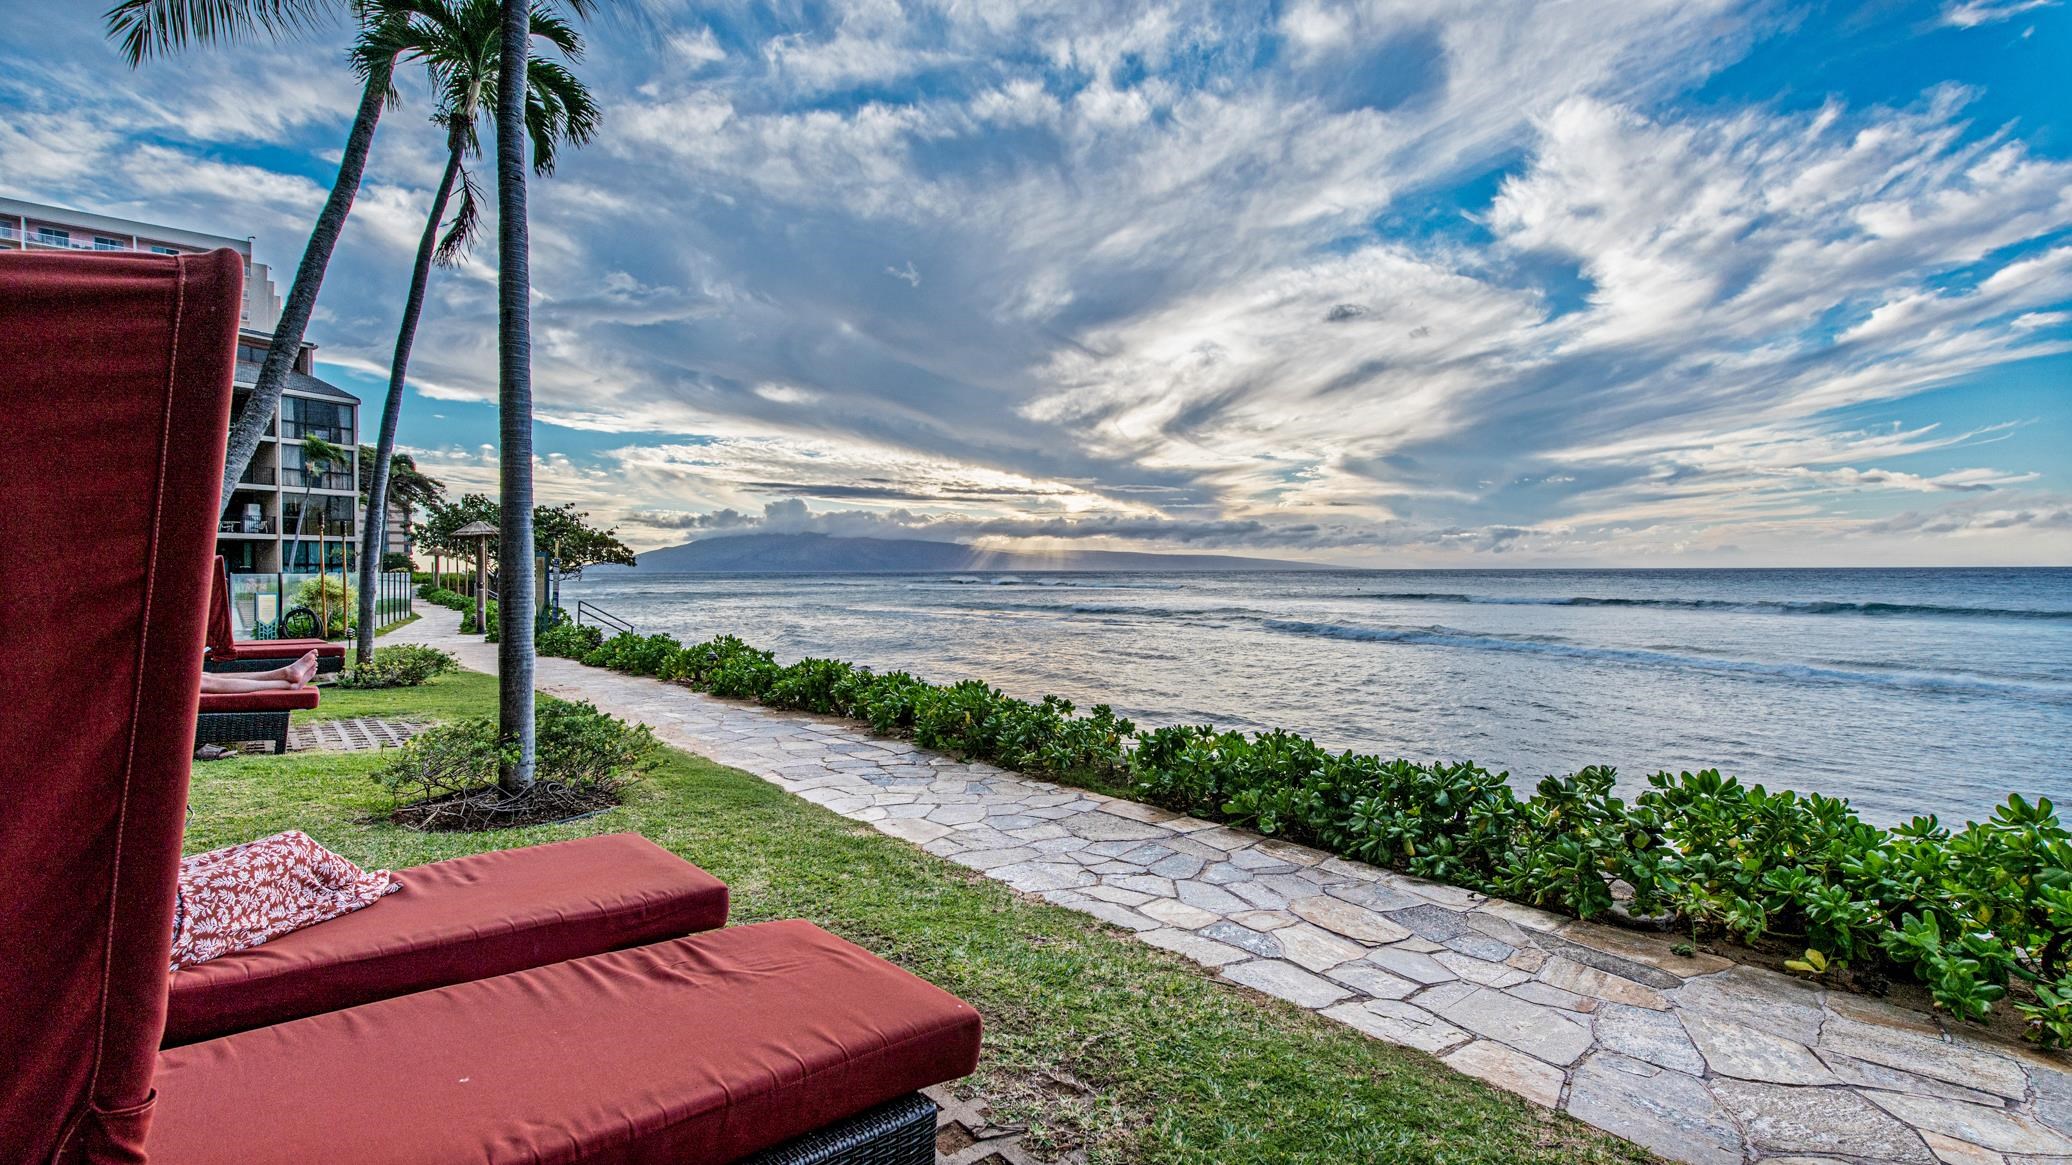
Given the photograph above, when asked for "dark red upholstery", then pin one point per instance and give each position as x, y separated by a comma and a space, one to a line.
277, 700
284, 650
466, 918
114, 402
695, 1051
115, 379
225, 646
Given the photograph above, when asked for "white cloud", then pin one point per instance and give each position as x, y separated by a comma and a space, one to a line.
1973, 13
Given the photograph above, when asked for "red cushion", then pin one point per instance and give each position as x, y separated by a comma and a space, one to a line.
284, 650
221, 634
276, 700
699, 1050
467, 918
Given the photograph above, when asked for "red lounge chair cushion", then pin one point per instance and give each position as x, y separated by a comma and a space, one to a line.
284, 650
467, 918
698, 1050
277, 700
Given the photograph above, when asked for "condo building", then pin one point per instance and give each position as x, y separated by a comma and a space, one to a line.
282, 515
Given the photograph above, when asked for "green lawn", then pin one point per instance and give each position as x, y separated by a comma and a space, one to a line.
1092, 1040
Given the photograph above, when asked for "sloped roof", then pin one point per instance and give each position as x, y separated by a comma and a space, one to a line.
476, 530
248, 375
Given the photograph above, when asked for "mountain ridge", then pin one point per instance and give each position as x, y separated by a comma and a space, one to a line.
838, 554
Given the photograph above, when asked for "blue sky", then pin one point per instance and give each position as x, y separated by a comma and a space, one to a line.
1508, 284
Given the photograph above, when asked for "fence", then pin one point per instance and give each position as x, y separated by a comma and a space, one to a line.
257, 602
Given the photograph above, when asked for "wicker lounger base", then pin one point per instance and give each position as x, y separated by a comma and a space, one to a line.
327, 665
237, 727
901, 1132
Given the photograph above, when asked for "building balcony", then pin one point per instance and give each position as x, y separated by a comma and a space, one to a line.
301, 479
263, 528
257, 475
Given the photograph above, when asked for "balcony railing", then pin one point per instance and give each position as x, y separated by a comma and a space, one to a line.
240, 526
295, 430
257, 475
303, 479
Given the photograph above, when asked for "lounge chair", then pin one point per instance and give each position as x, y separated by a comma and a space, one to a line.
235, 717
228, 653
771, 1041
465, 918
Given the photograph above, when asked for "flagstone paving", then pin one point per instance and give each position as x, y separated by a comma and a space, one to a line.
1694, 1057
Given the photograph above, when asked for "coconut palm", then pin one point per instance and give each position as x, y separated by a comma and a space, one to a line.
148, 28
460, 45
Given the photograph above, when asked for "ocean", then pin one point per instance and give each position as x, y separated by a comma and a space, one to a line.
1906, 691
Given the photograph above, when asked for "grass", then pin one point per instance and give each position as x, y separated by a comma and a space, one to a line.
1093, 1041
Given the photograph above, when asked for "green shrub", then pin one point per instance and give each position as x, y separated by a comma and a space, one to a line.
569, 640
489, 617
445, 778
315, 593
1969, 914
810, 685
403, 665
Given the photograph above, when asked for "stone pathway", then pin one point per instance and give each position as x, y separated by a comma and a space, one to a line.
353, 734
1694, 1057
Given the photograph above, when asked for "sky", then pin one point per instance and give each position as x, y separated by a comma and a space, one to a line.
1510, 284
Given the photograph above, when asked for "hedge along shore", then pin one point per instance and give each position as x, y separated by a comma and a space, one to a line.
1693, 1057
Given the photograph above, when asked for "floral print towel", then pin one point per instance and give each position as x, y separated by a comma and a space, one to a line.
243, 895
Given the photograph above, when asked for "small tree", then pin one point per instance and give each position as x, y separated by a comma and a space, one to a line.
319, 457
563, 529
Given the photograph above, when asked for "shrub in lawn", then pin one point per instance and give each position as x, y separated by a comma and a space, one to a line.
445, 778
403, 665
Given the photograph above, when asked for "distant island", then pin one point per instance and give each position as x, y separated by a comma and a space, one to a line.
832, 554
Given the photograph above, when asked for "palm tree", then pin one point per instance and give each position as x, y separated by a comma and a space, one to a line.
319, 457
145, 28
460, 44
514, 649
407, 484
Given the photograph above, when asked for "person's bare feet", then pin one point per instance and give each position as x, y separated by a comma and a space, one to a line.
302, 670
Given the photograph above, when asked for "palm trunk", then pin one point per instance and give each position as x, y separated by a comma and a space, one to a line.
514, 649
252, 423
373, 537
301, 519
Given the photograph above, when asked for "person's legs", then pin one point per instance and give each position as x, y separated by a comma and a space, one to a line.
293, 675
246, 682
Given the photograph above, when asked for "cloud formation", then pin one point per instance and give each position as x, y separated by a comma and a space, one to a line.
1374, 281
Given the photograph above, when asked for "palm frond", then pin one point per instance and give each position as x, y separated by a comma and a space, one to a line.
467, 222
143, 29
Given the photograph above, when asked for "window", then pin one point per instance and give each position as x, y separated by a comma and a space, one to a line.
54, 237
303, 417
330, 516
158, 250
294, 477
104, 243
252, 353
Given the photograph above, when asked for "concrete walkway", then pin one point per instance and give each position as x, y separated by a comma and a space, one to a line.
1699, 1059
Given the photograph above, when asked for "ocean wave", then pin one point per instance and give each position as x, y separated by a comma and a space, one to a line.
1438, 636
1752, 606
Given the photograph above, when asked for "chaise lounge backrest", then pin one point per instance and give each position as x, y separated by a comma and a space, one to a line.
114, 398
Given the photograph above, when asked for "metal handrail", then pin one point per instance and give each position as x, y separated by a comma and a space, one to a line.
601, 616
